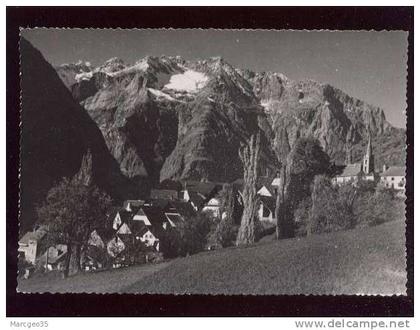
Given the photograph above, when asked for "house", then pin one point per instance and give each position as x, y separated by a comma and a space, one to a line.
149, 237
349, 173
199, 193
393, 177
100, 237
213, 207
115, 246
276, 183
94, 258
266, 210
145, 226
53, 257
196, 199
267, 186
121, 217
29, 244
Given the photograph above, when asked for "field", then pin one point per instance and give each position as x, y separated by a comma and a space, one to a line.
361, 261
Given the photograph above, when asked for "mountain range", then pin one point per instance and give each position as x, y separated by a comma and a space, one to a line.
167, 117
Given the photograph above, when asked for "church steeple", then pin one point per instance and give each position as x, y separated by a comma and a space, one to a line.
368, 159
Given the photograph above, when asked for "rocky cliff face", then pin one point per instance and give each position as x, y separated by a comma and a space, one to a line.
69, 72
338, 121
165, 117
56, 133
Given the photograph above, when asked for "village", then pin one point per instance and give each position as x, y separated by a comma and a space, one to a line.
133, 233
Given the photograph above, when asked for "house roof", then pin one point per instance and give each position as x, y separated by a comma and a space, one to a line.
350, 170
155, 216
394, 171
161, 203
207, 189
183, 208
275, 182
140, 212
125, 215
170, 185
197, 199
269, 202
35, 235
175, 218
163, 194
264, 181
133, 203
105, 233
138, 228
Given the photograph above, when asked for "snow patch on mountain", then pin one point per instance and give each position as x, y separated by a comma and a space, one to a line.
189, 80
270, 105
83, 76
160, 94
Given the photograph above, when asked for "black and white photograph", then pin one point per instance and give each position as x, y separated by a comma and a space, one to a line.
186, 161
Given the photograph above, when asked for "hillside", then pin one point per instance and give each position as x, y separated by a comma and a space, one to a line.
366, 261
56, 133
166, 117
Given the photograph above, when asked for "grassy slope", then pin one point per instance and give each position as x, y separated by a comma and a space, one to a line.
368, 261
101, 282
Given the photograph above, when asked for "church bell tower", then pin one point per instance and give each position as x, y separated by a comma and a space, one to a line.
368, 159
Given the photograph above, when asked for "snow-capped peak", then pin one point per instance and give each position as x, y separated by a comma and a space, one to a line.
190, 81
82, 63
142, 64
113, 60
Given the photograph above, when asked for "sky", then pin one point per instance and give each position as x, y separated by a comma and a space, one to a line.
368, 65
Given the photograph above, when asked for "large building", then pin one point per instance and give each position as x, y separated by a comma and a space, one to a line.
393, 177
365, 170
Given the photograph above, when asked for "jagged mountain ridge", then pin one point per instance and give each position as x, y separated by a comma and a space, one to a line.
165, 117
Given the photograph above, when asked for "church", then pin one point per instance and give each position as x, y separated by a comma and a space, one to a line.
365, 170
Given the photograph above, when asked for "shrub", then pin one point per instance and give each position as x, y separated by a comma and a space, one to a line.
170, 243
187, 238
381, 206
331, 209
194, 233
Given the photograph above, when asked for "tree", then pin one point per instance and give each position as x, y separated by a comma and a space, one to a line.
306, 160
170, 243
279, 211
194, 232
188, 237
72, 210
224, 232
249, 155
